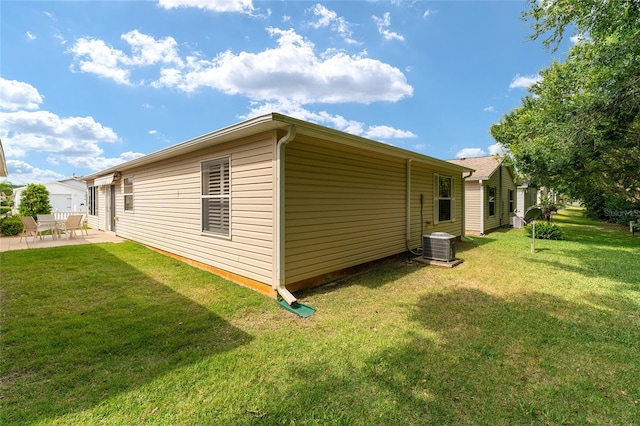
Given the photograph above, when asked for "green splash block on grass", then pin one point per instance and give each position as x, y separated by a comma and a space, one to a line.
297, 308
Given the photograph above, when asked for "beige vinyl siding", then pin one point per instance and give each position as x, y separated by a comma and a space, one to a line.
343, 207
423, 183
491, 222
507, 184
167, 211
473, 206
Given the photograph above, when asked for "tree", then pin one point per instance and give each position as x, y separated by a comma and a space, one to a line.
34, 200
579, 128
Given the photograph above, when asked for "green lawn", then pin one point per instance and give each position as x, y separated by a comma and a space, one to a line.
118, 334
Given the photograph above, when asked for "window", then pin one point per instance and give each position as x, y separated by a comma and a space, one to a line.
511, 205
491, 199
444, 199
128, 194
216, 197
93, 200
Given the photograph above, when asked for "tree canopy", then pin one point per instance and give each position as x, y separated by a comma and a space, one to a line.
578, 129
34, 200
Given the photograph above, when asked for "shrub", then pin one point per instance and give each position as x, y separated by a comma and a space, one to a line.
10, 226
34, 200
546, 231
4, 209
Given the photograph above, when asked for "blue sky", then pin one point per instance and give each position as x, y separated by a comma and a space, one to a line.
85, 85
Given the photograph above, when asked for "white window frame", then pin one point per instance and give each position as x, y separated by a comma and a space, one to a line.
490, 201
92, 197
223, 194
126, 194
437, 198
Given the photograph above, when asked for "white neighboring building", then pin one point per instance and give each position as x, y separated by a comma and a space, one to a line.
65, 195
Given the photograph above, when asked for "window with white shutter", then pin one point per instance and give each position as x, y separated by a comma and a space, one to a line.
216, 197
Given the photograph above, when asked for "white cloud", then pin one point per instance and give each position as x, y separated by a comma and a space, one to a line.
43, 131
524, 81
96, 57
15, 95
470, 152
386, 132
489, 109
292, 71
31, 36
100, 162
72, 140
496, 149
60, 38
420, 146
152, 132
239, 6
325, 16
329, 18
23, 173
580, 38
428, 13
383, 27
338, 122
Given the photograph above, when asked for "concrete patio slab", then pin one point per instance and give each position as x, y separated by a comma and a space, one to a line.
94, 236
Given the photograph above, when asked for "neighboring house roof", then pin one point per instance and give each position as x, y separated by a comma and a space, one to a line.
264, 123
3, 163
75, 184
484, 167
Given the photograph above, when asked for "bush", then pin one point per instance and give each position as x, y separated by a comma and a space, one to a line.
34, 200
10, 226
546, 231
4, 210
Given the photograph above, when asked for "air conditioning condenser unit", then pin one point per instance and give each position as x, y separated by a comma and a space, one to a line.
439, 246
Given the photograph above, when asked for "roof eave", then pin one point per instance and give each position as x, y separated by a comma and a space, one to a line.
272, 121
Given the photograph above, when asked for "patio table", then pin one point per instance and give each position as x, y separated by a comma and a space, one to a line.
53, 226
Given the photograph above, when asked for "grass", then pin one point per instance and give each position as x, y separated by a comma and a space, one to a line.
119, 334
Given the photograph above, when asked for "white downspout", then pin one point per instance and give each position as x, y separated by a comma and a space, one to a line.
481, 207
464, 208
279, 281
408, 227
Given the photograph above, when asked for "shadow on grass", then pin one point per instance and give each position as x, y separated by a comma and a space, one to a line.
90, 327
390, 269
471, 358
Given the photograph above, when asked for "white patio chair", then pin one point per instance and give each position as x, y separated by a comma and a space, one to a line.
30, 226
71, 225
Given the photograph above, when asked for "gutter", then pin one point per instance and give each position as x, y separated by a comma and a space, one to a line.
278, 284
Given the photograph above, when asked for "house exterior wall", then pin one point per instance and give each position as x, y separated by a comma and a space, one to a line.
473, 206
345, 207
167, 208
507, 185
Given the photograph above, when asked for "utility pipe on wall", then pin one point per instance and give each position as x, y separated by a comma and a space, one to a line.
481, 207
279, 283
464, 208
408, 224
